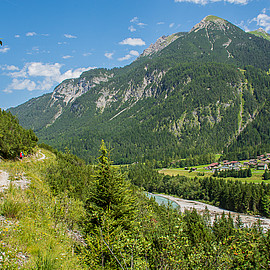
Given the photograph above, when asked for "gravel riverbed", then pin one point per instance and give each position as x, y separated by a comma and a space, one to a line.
248, 220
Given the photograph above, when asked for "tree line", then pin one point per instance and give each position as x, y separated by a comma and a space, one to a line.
13, 138
231, 195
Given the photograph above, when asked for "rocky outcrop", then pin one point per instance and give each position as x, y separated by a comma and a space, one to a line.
160, 44
69, 90
211, 21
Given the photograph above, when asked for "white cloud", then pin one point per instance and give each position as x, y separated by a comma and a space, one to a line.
134, 20
128, 56
87, 54
141, 24
35, 49
132, 42
135, 53
17, 36
171, 25
40, 76
69, 36
19, 74
160, 23
263, 20
109, 55
21, 85
38, 69
241, 2
31, 34
67, 56
72, 74
5, 49
204, 2
243, 26
9, 68
132, 29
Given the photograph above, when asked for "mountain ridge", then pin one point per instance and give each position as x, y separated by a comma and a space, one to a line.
110, 104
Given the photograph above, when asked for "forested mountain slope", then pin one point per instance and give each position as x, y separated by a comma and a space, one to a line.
190, 93
13, 138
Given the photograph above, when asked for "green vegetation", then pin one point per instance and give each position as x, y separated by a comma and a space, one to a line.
13, 138
255, 137
183, 100
231, 195
88, 214
261, 33
212, 18
233, 173
34, 232
79, 216
266, 175
196, 118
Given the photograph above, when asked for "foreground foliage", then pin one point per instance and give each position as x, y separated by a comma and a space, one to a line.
123, 229
78, 216
36, 231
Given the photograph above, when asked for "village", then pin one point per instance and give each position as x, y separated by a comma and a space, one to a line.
253, 170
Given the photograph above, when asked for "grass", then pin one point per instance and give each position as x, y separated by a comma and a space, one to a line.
32, 234
256, 174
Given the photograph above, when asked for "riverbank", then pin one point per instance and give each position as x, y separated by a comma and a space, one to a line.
247, 220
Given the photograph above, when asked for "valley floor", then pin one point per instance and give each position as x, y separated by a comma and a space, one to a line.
247, 220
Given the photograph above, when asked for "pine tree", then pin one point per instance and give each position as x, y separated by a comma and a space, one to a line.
111, 193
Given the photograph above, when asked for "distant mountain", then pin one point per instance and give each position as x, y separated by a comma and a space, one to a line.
188, 93
260, 33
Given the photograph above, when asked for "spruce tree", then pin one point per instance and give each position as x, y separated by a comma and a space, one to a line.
111, 193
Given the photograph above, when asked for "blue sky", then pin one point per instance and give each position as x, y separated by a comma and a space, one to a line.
45, 42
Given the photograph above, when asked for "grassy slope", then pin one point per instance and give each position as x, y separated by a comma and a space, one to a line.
256, 174
261, 34
32, 233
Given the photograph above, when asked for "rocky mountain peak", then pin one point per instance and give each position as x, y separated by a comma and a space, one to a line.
160, 44
261, 30
212, 22
261, 33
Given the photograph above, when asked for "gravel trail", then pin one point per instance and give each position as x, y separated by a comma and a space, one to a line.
20, 180
4, 182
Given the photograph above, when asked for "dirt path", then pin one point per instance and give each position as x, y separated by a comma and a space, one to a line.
247, 220
20, 179
42, 156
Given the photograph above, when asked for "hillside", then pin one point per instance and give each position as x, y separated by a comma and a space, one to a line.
13, 138
260, 33
189, 93
72, 215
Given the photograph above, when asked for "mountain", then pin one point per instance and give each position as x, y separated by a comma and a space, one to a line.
260, 33
187, 94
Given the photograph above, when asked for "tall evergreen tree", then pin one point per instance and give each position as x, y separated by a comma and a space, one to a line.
111, 193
